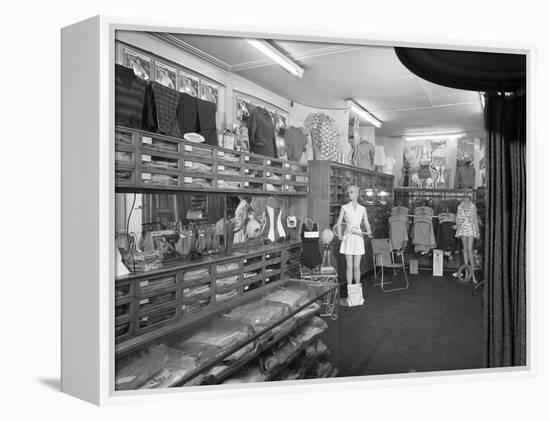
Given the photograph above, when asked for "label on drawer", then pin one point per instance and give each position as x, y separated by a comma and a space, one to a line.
246, 158
146, 176
221, 168
267, 256
145, 319
246, 184
147, 140
146, 158
144, 301
268, 162
188, 164
246, 171
188, 148
287, 165
288, 176
144, 283
187, 179
221, 153
268, 174
245, 260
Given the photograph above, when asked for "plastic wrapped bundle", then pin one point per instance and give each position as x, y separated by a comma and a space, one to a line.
259, 314
177, 365
308, 311
289, 296
279, 354
222, 333
135, 370
316, 349
314, 327
248, 374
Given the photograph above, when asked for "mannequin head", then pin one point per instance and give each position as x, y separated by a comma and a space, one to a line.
353, 192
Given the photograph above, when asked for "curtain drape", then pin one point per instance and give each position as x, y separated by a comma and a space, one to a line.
505, 235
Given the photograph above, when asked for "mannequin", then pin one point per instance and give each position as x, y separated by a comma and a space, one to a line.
467, 229
352, 244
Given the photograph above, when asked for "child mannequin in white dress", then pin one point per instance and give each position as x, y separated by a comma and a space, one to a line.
353, 245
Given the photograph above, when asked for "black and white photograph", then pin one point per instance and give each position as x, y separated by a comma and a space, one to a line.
188, 84
209, 92
403, 251
139, 63
165, 75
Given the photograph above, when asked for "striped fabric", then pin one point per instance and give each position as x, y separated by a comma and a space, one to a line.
160, 110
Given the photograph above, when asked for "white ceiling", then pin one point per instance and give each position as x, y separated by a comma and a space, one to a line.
373, 76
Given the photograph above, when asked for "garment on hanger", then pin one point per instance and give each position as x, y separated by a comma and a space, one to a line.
423, 231
160, 110
129, 97
187, 114
351, 243
274, 229
261, 133
446, 232
325, 134
365, 155
311, 255
399, 230
207, 121
295, 142
465, 176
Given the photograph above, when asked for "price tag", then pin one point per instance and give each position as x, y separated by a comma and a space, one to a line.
188, 148
146, 158
221, 153
246, 158
143, 283
221, 168
144, 301
145, 176
188, 164
147, 140
187, 179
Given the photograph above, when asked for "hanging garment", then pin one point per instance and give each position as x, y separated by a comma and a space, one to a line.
311, 255
365, 155
187, 114
295, 142
352, 243
261, 133
423, 231
160, 110
465, 176
325, 134
207, 121
274, 229
399, 236
466, 221
446, 236
129, 98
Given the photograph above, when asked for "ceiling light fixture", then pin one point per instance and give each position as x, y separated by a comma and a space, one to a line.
482, 99
433, 136
267, 49
364, 114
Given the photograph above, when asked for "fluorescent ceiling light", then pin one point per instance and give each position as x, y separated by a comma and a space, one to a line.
364, 114
433, 136
278, 57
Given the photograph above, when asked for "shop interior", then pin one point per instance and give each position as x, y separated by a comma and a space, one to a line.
233, 159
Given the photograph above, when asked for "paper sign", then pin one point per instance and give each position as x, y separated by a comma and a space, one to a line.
188, 148
146, 158
268, 162
311, 234
246, 158
246, 171
246, 183
221, 153
188, 164
268, 174
438, 263
143, 283
144, 301
187, 179
147, 140
146, 176
413, 267
221, 168
288, 176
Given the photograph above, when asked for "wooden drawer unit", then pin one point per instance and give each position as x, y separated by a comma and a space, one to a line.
152, 321
156, 286
158, 302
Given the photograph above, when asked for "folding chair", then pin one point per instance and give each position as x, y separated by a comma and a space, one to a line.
385, 257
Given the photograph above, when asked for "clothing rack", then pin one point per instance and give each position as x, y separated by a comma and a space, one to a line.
438, 199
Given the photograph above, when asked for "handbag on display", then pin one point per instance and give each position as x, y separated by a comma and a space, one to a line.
355, 295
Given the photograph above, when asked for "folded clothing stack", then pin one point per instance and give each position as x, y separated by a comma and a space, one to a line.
248, 374
314, 327
259, 314
135, 370
294, 298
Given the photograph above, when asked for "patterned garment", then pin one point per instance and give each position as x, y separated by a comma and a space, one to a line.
325, 133
207, 121
129, 97
466, 221
161, 104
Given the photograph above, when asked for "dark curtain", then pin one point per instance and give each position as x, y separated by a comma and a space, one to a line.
505, 245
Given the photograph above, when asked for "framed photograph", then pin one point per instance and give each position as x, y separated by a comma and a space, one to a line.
188, 83
209, 91
165, 75
140, 63
179, 274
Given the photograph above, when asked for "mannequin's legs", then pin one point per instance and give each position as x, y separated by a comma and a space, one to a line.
471, 256
357, 269
465, 253
349, 269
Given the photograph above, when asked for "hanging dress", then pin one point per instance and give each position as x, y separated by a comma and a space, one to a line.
311, 255
352, 243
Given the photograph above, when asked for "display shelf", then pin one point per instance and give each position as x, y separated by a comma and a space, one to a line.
318, 292
277, 370
148, 161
